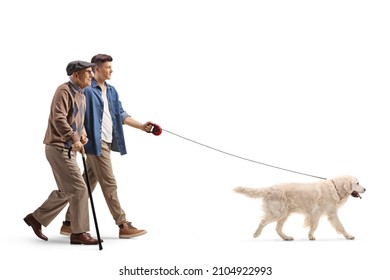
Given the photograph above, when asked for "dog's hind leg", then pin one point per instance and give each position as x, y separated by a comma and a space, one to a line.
265, 221
279, 229
335, 222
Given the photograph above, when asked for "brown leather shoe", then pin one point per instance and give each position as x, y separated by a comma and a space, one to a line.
87, 233
83, 238
126, 230
36, 226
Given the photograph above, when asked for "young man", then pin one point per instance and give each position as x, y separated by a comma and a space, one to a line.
65, 136
104, 121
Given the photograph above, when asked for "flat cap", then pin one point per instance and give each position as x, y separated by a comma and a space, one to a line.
77, 65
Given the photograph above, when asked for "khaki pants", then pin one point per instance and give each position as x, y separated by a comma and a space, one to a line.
100, 171
71, 189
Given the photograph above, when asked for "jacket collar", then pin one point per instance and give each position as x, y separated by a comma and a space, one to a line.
94, 84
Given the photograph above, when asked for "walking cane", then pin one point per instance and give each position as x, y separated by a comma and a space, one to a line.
91, 199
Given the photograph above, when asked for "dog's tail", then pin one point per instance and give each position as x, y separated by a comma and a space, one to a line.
250, 192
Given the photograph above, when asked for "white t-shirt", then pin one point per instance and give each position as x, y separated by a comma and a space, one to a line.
107, 121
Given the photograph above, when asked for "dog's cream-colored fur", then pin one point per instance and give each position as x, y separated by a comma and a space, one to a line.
313, 200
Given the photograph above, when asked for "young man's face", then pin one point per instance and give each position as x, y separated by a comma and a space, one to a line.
104, 71
83, 77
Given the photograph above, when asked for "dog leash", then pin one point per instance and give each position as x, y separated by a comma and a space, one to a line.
157, 130
240, 157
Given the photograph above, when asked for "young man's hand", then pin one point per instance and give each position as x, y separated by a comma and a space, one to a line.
147, 127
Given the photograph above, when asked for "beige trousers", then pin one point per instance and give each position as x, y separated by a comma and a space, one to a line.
71, 189
100, 171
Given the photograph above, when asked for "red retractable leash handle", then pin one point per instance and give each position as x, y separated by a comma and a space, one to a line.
156, 129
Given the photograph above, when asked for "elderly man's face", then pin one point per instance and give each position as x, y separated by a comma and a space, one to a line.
83, 77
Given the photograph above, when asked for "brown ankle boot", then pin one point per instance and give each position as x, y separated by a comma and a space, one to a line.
66, 229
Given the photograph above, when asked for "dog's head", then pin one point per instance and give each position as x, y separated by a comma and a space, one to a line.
347, 185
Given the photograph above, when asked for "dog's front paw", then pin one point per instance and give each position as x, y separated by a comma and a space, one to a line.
349, 237
288, 238
311, 237
256, 234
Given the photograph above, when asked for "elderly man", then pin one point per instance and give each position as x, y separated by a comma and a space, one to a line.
65, 136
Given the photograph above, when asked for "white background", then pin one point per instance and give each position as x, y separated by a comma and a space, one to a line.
301, 85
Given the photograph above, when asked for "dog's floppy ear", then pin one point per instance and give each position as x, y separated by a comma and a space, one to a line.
334, 192
343, 186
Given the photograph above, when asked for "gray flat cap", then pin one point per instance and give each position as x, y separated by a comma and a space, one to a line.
77, 65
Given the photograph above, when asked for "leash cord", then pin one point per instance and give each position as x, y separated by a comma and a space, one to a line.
243, 158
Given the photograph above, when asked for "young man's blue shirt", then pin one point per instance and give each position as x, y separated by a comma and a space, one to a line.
94, 119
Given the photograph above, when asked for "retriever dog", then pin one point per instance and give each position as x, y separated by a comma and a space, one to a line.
313, 200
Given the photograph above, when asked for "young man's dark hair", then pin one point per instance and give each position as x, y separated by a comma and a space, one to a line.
99, 59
